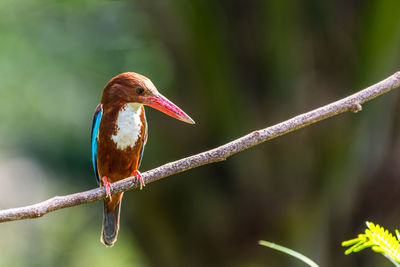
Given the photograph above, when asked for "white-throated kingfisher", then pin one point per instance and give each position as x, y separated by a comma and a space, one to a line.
119, 134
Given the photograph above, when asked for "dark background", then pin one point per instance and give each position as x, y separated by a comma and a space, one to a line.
233, 66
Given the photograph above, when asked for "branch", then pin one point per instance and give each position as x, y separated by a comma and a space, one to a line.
350, 103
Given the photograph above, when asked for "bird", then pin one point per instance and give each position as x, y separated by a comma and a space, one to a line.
119, 135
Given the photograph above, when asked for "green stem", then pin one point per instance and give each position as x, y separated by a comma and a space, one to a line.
288, 251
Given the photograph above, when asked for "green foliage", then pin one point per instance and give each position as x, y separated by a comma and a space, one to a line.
289, 252
379, 240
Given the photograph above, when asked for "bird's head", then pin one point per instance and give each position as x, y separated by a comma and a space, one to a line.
131, 87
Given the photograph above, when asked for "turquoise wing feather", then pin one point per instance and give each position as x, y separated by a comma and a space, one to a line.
95, 138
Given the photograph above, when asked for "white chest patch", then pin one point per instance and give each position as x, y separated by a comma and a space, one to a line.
128, 126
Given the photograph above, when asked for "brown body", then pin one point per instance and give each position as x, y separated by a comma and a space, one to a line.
112, 162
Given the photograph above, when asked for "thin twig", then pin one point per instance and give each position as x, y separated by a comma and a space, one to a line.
351, 103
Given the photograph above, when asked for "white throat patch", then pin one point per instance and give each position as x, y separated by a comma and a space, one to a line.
128, 126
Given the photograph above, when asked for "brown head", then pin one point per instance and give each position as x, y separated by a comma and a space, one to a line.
131, 87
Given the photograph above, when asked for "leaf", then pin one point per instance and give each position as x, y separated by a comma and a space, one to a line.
289, 252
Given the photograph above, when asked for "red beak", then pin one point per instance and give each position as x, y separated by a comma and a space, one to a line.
164, 105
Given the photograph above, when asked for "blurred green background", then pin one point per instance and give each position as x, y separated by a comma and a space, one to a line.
234, 66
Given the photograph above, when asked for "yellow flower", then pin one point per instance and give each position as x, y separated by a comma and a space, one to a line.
378, 239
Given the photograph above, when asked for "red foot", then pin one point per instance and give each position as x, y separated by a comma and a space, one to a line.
107, 186
139, 177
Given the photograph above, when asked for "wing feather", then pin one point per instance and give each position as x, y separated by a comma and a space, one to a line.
95, 138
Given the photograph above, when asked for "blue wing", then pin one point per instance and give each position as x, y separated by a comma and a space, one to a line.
95, 137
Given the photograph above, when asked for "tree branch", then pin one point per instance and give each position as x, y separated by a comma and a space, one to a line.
350, 103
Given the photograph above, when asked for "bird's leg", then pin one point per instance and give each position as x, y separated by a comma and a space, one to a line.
139, 177
107, 186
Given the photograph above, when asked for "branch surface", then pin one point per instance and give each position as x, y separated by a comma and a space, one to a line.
351, 103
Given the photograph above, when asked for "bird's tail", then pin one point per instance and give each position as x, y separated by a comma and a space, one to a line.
109, 231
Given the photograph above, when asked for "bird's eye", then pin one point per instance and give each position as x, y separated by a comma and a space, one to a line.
139, 90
